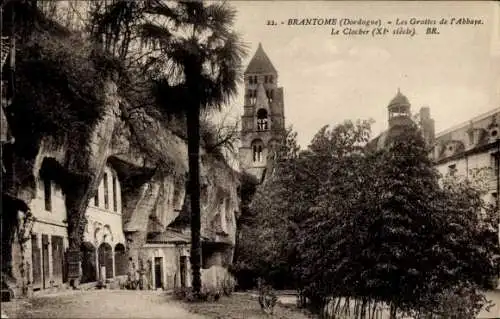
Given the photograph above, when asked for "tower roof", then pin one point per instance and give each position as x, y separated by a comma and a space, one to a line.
399, 100
260, 63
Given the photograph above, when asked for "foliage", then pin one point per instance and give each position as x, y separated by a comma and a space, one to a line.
377, 227
267, 298
198, 66
207, 294
243, 306
260, 250
65, 67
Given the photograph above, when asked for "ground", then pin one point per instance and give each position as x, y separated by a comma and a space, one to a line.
138, 304
244, 306
151, 304
100, 304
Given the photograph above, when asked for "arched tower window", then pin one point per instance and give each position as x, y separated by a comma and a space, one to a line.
262, 120
252, 96
257, 151
269, 94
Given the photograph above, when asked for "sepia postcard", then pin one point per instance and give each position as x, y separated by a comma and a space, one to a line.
250, 159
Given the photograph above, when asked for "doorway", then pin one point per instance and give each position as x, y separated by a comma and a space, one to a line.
57, 259
45, 262
183, 268
36, 261
105, 256
158, 272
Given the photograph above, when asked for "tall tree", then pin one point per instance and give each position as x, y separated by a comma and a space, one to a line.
200, 62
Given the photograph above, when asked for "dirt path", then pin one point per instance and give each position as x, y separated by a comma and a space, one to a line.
100, 304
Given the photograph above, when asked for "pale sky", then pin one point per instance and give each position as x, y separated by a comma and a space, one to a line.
330, 78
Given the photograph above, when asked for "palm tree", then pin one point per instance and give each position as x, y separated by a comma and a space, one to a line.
195, 61
198, 67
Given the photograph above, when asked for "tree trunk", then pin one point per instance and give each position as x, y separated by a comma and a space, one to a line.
393, 311
193, 128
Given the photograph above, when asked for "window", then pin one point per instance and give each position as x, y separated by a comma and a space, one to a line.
270, 79
257, 153
452, 169
47, 190
262, 120
106, 195
96, 199
496, 164
115, 202
269, 94
252, 94
265, 79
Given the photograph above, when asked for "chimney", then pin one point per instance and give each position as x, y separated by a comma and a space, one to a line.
427, 124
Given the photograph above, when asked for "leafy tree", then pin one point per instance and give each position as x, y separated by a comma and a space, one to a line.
261, 250
376, 227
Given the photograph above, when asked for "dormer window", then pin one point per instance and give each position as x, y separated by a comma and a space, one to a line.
262, 120
494, 130
494, 133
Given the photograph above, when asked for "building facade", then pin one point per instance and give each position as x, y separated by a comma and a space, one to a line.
461, 150
103, 247
470, 149
263, 120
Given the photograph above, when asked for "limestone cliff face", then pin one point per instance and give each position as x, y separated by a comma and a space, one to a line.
153, 168
151, 163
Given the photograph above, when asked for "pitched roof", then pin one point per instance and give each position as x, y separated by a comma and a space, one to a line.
169, 236
260, 63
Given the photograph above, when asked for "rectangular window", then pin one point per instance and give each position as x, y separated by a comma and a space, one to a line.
47, 189
115, 202
106, 194
96, 199
452, 169
496, 159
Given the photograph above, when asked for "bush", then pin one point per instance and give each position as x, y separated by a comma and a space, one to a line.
267, 298
207, 294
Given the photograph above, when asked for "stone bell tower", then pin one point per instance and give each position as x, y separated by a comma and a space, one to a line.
263, 120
